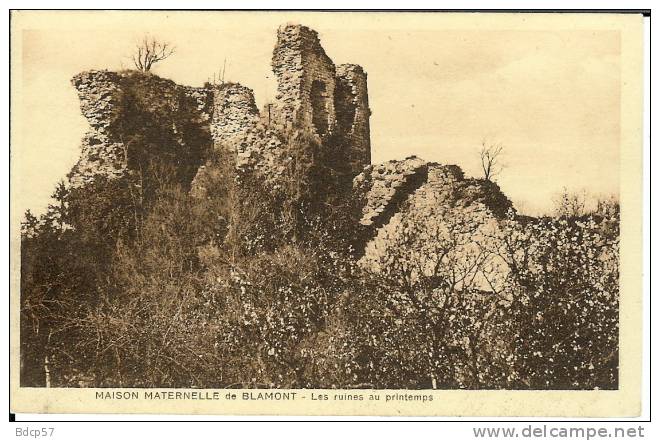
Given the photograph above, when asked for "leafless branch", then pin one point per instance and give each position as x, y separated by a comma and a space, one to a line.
149, 52
490, 155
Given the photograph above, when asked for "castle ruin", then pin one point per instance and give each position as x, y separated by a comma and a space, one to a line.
315, 100
324, 102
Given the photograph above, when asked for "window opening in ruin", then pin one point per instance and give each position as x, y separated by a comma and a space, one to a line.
320, 113
345, 107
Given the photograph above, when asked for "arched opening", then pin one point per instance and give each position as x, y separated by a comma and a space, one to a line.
320, 104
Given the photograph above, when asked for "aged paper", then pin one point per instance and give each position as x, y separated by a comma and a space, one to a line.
418, 214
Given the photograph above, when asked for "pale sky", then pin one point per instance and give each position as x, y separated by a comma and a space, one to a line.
548, 90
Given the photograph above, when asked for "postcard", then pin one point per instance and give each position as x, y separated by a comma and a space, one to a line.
326, 213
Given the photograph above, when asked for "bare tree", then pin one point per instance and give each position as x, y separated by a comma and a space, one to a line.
490, 160
149, 52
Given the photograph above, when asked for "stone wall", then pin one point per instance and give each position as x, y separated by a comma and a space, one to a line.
305, 82
384, 186
233, 113
397, 189
238, 131
327, 103
331, 103
107, 100
314, 101
316, 134
352, 110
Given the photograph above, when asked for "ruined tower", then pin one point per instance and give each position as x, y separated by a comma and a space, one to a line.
315, 96
305, 82
352, 110
315, 100
312, 143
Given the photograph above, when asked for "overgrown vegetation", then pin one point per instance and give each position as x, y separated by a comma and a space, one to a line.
136, 282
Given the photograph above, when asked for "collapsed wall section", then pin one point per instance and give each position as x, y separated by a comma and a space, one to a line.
448, 218
384, 186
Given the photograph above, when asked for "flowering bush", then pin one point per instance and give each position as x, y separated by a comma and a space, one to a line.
249, 288
565, 289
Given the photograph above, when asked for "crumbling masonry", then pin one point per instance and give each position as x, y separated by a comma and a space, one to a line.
313, 96
315, 99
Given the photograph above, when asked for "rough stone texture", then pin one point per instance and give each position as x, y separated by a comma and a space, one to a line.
99, 156
314, 99
100, 97
305, 82
384, 186
352, 109
309, 89
105, 98
442, 216
448, 185
314, 96
234, 113
237, 130
394, 190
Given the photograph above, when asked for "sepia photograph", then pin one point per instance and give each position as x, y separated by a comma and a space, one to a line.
365, 208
